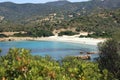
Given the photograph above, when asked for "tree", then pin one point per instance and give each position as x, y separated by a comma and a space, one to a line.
110, 57
69, 33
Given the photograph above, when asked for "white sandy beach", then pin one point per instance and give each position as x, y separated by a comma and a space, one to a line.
72, 39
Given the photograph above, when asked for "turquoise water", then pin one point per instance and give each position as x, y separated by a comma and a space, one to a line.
56, 50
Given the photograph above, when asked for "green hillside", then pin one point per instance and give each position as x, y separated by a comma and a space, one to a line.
14, 11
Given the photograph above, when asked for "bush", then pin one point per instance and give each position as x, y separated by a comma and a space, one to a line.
21, 35
98, 35
69, 33
40, 33
110, 57
82, 36
78, 29
19, 64
3, 35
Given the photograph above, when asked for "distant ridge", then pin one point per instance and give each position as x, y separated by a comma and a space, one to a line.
58, 3
13, 11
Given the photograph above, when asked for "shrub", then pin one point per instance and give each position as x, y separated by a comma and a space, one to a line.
3, 35
69, 33
110, 57
19, 64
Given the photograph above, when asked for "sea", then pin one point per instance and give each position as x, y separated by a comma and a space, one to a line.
57, 50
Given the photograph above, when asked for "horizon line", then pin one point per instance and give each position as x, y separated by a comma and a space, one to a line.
36, 2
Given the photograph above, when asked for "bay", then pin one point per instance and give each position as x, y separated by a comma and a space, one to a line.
56, 50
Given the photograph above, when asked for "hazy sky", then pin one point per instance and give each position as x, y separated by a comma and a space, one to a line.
36, 1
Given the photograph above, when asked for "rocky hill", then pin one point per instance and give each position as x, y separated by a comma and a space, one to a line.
13, 11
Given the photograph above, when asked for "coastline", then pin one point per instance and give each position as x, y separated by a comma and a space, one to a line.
71, 39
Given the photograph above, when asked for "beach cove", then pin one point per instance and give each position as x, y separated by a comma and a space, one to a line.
54, 46
71, 39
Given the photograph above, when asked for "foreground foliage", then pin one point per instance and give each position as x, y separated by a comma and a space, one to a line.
110, 55
19, 64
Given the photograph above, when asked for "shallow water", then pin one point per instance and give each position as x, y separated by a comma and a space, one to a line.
55, 49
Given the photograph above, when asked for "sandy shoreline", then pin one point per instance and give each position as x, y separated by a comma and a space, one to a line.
72, 39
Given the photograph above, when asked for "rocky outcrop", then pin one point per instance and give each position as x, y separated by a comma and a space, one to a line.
91, 53
1, 18
84, 57
87, 52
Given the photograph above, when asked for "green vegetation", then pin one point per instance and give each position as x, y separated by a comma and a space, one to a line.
40, 33
36, 32
19, 64
2, 35
23, 11
110, 56
20, 35
103, 24
102, 18
104, 21
89, 16
0, 50
116, 36
98, 35
69, 33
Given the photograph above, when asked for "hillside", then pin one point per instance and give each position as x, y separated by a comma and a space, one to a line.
104, 22
13, 11
96, 16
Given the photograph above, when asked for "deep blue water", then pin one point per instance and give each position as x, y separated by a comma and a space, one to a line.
56, 50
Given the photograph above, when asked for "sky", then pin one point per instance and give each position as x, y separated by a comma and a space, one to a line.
37, 1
